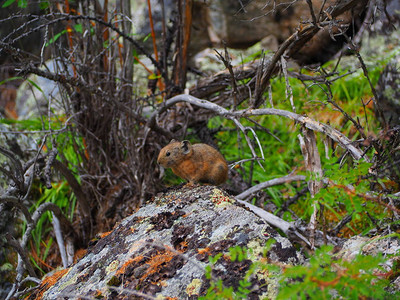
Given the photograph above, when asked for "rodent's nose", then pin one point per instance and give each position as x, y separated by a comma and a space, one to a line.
159, 159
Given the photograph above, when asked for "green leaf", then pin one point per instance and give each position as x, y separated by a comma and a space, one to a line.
56, 37
34, 84
147, 37
78, 28
154, 76
8, 3
233, 253
22, 3
10, 79
44, 4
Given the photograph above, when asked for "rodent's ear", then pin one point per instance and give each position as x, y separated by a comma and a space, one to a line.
186, 146
173, 141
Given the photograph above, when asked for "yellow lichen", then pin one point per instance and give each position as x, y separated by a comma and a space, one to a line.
219, 199
193, 288
113, 266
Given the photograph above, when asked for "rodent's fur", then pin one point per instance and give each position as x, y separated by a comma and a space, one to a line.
197, 163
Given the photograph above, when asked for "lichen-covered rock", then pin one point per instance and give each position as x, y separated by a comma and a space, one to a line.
162, 250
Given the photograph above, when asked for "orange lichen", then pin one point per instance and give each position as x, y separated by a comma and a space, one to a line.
79, 254
156, 262
51, 280
204, 251
127, 263
182, 247
104, 234
46, 283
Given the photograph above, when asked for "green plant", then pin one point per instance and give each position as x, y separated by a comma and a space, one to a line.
217, 289
326, 277
60, 193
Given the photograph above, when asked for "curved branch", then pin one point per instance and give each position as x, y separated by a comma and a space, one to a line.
15, 202
17, 165
309, 123
201, 103
22, 254
272, 182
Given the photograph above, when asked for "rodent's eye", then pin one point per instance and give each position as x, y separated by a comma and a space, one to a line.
167, 154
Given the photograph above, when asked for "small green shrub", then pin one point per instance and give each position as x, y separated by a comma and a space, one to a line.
326, 277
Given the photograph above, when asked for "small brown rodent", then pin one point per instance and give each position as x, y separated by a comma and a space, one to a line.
197, 163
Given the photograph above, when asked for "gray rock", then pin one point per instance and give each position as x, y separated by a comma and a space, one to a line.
163, 249
387, 246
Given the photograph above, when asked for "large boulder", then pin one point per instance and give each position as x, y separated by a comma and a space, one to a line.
164, 248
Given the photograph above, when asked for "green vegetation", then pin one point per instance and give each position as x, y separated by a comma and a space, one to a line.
324, 277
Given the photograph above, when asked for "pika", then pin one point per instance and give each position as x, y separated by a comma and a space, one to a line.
197, 163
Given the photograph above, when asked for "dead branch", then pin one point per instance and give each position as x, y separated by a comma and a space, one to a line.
201, 103
297, 40
227, 62
309, 123
60, 240
21, 254
341, 224
21, 267
275, 221
14, 197
308, 145
14, 201
61, 17
47, 170
18, 176
365, 71
276, 181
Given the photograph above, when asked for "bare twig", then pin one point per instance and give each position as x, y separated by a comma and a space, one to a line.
60, 240
14, 201
19, 179
341, 224
275, 221
227, 62
297, 40
264, 81
314, 18
61, 17
288, 91
269, 183
22, 254
308, 145
309, 123
373, 90
47, 170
